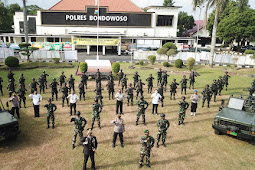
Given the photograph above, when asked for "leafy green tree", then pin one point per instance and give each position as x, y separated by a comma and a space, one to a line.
168, 3
5, 20
185, 22
32, 9
168, 49
27, 49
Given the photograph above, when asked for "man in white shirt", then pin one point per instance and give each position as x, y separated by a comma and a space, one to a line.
156, 97
120, 98
36, 102
73, 98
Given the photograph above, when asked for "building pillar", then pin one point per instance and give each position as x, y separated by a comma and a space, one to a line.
60, 40
88, 49
29, 40
14, 39
119, 50
4, 39
103, 49
9, 39
44, 39
73, 47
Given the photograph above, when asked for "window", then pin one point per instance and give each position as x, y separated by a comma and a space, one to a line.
22, 39
165, 20
33, 39
56, 39
49, 39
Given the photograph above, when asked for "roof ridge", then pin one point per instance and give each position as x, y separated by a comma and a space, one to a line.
55, 4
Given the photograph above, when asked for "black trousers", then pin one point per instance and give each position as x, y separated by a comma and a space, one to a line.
115, 135
72, 106
92, 158
193, 107
119, 105
15, 109
155, 107
36, 110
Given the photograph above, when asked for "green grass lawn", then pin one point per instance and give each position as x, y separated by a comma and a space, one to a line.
193, 146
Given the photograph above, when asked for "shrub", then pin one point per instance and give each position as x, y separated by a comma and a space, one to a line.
152, 59
165, 64
115, 67
170, 45
190, 63
11, 61
83, 67
249, 52
141, 63
162, 51
56, 60
178, 63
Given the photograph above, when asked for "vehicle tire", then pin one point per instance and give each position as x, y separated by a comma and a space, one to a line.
217, 132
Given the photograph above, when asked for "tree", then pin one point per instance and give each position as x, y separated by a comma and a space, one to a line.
185, 22
168, 3
168, 49
32, 9
27, 50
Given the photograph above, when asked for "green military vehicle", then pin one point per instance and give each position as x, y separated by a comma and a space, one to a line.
9, 126
237, 118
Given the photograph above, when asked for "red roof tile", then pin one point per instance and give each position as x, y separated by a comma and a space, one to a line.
113, 5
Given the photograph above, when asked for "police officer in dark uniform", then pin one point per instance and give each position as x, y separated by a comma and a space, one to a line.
124, 82
89, 143
183, 83
1, 86
173, 87
84, 79
41, 84
98, 77
130, 94
164, 79
71, 82
44, 76
214, 88
139, 88
82, 90
120, 75
11, 76
192, 79
54, 89
150, 83
159, 77
22, 80
33, 85
136, 77
207, 95
11, 87
21, 93
161, 92
62, 79
65, 91
220, 84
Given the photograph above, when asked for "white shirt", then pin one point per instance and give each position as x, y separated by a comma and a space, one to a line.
73, 98
195, 98
120, 96
36, 98
155, 98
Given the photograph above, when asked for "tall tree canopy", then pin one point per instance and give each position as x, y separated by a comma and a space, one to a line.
185, 22
32, 9
168, 3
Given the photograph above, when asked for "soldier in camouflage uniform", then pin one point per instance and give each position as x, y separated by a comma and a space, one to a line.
163, 125
1, 86
98, 77
207, 95
147, 142
98, 92
139, 88
10, 76
54, 89
22, 80
62, 79
214, 89
51, 108
110, 77
173, 87
21, 93
164, 79
161, 92
159, 77
82, 90
97, 109
252, 88
110, 88
183, 83
71, 83
130, 94
84, 79
44, 77
65, 91
41, 84
136, 77
79, 124
120, 75
150, 83
220, 84
141, 109
124, 82
11, 87
182, 111
33, 85
192, 79
225, 80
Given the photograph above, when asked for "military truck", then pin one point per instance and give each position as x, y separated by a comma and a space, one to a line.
9, 126
237, 118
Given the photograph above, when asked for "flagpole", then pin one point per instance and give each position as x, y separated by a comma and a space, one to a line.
97, 28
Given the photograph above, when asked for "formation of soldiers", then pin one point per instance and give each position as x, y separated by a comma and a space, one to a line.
68, 85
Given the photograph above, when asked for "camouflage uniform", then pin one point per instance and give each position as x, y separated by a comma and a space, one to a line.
84, 79
21, 93
22, 81
252, 89
220, 84
44, 77
33, 86
147, 144
97, 109
10, 76
1, 86
214, 89
173, 87
192, 79
207, 95
71, 83
110, 88
98, 77
163, 125
124, 83
161, 92
139, 88
82, 90
110, 77
41, 85
51, 108
54, 89
65, 91
99, 96
130, 94
182, 111
225, 80
150, 83
136, 77
62, 79
164, 79
141, 110
120, 75
183, 83
159, 77
79, 124
11, 87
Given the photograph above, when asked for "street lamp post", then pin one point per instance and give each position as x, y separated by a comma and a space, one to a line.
200, 8
97, 1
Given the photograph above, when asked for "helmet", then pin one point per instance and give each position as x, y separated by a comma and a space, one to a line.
49, 100
10, 70
162, 115
33, 78
71, 75
78, 113
125, 75
62, 72
21, 74
184, 75
183, 97
174, 79
140, 79
146, 131
96, 100
43, 71
136, 72
54, 78
220, 76
226, 71
141, 97
120, 69
214, 80
150, 74
130, 84
207, 85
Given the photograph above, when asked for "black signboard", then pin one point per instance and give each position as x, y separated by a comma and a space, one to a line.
90, 17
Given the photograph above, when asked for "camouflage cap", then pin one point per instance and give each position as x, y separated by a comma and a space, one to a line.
62, 72
183, 97
162, 115
49, 100
141, 97
78, 113
146, 131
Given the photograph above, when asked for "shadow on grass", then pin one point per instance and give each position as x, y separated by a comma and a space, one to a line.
197, 121
190, 140
125, 139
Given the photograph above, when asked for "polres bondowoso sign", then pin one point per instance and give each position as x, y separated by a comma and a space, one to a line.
89, 18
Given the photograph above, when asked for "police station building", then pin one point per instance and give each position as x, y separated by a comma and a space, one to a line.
123, 26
